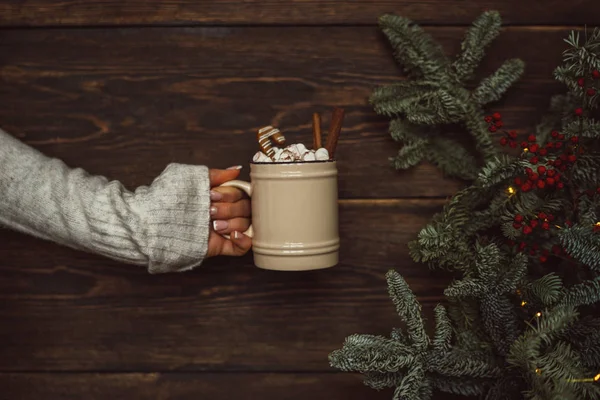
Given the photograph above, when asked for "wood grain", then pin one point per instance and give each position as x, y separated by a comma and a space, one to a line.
65, 310
304, 12
184, 386
126, 102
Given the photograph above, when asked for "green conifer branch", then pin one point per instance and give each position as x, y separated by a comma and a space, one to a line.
483, 31
494, 86
414, 49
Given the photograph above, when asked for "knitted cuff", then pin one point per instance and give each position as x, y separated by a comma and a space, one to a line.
174, 213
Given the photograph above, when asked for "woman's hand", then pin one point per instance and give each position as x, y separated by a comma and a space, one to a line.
230, 214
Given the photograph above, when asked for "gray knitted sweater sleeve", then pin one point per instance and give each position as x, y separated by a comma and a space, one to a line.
163, 226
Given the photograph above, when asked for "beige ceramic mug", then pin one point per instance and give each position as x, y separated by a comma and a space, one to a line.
294, 214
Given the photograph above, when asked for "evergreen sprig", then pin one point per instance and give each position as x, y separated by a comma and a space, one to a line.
437, 95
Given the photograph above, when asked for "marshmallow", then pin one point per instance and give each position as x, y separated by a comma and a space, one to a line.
309, 156
322, 154
286, 156
261, 157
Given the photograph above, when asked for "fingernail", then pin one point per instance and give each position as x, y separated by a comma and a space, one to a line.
213, 210
215, 196
220, 225
235, 167
236, 235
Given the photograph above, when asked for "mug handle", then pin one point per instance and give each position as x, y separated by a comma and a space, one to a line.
246, 187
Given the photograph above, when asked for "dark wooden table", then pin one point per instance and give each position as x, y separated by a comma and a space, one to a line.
122, 88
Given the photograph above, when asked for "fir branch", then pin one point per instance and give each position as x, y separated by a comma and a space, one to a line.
493, 87
403, 131
482, 32
397, 98
408, 308
586, 292
443, 331
582, 243
452, 158
410, 154
414, 49
547, 289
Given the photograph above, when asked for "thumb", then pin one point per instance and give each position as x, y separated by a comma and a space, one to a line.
220, 176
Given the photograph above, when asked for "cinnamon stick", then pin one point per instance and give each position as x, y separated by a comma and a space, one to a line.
316, 131
335, 128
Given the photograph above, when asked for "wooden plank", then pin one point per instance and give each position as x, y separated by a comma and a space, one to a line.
183, 386
66, 310
125, 102
305, 12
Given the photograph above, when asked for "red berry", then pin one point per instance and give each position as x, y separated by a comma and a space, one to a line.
543, 258
524, 144
522, 245
533, 223
549, 145
557, 163
492, 128
557, 177
518, 181
533, 160
568, 223
560, 185
554, 134
534, 148
581, 82
512, 134
574, 139
550, 217
572, 158
516, 225
503, 141
541, 184
596, 74
499, 124
579, 111
561, 137
527, 230
543, 152
531, 138
596, 228
590, 92
542, 215
532, 252
534, 177
541, 170
513, 144
558, 145
550, 181
529, 171
545, 226
488, 119
526, 187
518, 218
497, 116
551, 172
563, 168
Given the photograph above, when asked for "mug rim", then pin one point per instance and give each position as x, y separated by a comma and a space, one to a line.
293, 163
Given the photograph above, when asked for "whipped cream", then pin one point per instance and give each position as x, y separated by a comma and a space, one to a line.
292, 153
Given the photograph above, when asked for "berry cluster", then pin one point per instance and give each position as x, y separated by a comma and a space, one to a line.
533, 250
541, 220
